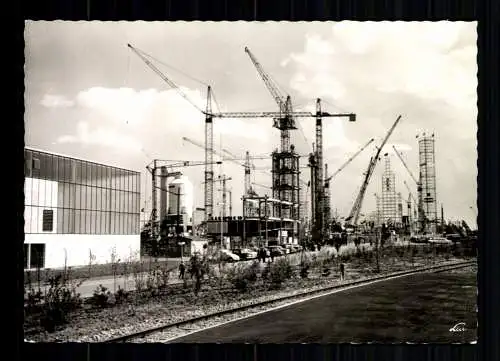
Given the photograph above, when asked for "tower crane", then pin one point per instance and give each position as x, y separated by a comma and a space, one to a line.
420, 208
209, 171
285, 123
353, 217
328, 178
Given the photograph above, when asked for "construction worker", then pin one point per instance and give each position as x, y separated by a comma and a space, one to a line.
182, 269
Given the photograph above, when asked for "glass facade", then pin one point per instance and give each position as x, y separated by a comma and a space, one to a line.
71, 196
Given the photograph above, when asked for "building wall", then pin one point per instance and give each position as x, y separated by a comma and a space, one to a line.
75, 248
68, 199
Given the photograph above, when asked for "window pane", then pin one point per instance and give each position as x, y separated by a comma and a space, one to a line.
54, 168
78, 191
98, 222
126, 179
65, 220
119, 201
93, 174
78, 171
87, 221
35, 183
84, 172
48, 220
130, 197
66, 202
122, 223
128, 220
44, 196
98, 199
89, 174
106, 223
112, 223
116, 183
131, 219
67, 170
35, 165
88, 197
43, 165
72, 192
71, 228
27, 219
113, 200
105, 199
78, 222
99, 176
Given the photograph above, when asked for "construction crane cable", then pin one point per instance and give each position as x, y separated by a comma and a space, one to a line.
165, 78
173, 68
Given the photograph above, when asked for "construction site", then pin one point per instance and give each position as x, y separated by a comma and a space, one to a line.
297, 207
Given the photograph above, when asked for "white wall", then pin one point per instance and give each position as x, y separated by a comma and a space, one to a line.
42, 193
76, 248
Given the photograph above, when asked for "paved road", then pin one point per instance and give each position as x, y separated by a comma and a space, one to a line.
415, 308
88, 287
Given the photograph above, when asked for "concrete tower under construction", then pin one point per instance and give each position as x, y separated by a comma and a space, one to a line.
389, 209
427, 177
286, 171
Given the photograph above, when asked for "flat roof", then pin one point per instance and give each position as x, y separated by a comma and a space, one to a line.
76, 158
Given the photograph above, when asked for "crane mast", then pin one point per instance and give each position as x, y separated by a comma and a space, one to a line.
356, 209
419, 202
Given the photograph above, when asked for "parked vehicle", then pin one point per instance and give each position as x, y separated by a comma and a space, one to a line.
439, 240
276, 251
289, 248
247, 253
228, 256
297, 247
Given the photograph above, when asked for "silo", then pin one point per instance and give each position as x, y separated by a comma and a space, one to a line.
163, 193
181, 198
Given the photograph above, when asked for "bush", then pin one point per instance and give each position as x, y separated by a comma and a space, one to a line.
242, 277
60, 300
279, 272
100, 298
325, 271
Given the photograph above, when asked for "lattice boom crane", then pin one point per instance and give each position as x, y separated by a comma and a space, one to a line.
353, 217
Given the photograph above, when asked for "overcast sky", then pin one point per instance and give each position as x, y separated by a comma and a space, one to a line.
89, 96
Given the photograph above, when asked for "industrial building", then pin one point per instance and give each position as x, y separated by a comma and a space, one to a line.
74, 208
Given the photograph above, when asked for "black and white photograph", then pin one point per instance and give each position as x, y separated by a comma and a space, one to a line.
250, 182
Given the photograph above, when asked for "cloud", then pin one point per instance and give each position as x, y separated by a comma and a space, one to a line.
103, 136
56, 101
424, 71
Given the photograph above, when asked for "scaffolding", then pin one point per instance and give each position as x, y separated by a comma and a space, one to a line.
427, 167
286, 187
389, 198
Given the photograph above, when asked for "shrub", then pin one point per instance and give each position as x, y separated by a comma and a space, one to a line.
325, 271
100, 298
60, 300
279, 272
121, 295
242, 277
